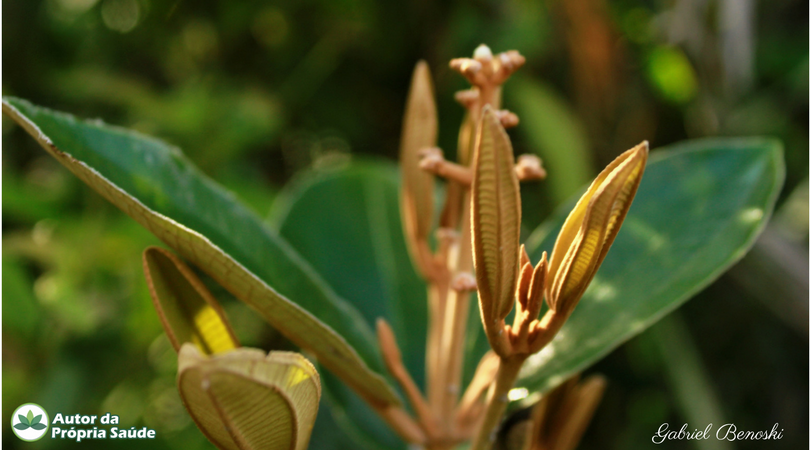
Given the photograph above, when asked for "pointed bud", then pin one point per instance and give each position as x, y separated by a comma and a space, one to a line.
419, 131
591, 228
495, 219
388, 344
524, 284
524, 256
535, 297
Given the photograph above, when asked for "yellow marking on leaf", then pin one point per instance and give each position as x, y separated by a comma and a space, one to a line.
187, 310
213, 333
296, 376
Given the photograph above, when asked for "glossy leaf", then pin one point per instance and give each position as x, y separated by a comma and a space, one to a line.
364, 257
245, 400
699, 208
187, 310
155, 184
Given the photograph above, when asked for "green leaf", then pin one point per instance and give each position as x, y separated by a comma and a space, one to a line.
157, 186
36, 419
38, 426
30, 416
699, 208
365, 258
22, 426
23, 419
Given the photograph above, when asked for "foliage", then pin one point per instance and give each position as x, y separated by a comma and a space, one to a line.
226, 86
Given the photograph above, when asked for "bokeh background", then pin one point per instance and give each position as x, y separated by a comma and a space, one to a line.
255, 92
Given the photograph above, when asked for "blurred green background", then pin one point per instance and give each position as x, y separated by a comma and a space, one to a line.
255, 92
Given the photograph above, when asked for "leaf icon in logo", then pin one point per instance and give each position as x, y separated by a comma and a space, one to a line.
24, 422
30, 417
36, 420
38, 426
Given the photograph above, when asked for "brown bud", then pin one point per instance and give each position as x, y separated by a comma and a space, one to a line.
529, 167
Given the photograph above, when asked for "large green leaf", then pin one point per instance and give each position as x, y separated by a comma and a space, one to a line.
346, 223
157, 186
699, 208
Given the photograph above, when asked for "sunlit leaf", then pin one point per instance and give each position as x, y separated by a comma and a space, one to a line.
365, 258
698, 210
154, 184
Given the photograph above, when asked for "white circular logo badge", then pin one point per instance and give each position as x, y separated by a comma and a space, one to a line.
30, 422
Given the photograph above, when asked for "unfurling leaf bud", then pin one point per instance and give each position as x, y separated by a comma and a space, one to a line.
495, 222
591, 228
246, 400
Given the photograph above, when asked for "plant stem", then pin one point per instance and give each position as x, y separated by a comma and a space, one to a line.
497, 400
458, 305
402, 423
437, 298
455, 325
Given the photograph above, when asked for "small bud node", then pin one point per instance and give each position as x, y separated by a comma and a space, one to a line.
508, 119
467, 98
482, 53
530, 167
464, 282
